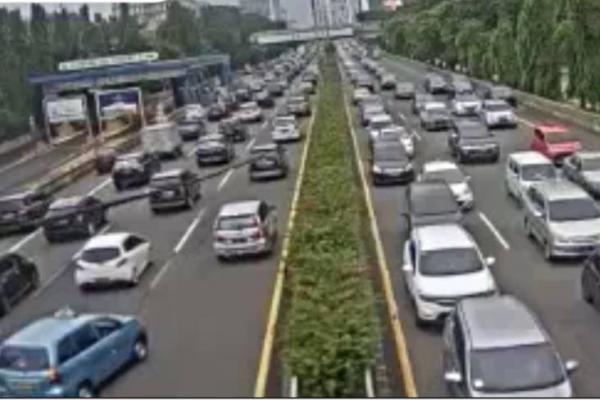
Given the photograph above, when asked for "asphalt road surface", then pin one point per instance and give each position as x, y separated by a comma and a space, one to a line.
205, 319
552, 291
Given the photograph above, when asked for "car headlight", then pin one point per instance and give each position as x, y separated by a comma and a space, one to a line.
377, 169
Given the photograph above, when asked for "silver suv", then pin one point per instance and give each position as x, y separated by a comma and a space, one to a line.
495, 347
563, 218
245, 228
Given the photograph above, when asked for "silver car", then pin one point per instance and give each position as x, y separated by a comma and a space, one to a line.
562, 217
245, 228
496, 347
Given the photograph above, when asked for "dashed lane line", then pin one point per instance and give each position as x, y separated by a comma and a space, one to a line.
189, 231
495, 231
224, 180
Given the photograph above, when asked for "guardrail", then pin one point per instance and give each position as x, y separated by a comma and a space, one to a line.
564, 111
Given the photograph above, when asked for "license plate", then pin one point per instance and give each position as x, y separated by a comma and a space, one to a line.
8, 216
237, 240
62, 222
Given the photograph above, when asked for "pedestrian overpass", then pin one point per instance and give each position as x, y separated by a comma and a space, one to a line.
300, 35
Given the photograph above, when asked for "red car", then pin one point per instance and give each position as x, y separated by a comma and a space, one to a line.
554, 141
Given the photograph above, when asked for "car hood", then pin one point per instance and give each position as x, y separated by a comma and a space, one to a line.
459, 189
577, 229
592, 176
451, 286
561, 390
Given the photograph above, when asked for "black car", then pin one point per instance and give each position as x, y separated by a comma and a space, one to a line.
191, 130
23, 211
269, 162
404, 91
233, 129
105, 160
432, 203
264, 99
471, 140
276, 88
501, 93
174, 189
434, 116
78, 216
243, 95
590, 279
134, 169
391, 164
214, 149
435, 84
216, 111
18, 277
583, 168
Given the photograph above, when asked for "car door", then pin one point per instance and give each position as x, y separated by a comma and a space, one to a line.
538, 220
410, 260
512, 176
93, 355
72, 369
137, 249
14, 281
113, 341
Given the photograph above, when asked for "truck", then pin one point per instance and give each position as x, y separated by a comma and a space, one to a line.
162, 139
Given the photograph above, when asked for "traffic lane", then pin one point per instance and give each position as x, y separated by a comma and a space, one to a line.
551, 290
211, 345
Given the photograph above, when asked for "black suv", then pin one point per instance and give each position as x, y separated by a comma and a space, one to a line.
214, 149
391, 164
471, 140
78, 216
105, 160
269, 161
190, 130
18, 277
435, 84
134, 169
22, 211
216, 111
264, 99
432, 202
233, 129
173, 189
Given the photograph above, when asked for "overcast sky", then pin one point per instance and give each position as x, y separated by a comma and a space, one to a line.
298, 10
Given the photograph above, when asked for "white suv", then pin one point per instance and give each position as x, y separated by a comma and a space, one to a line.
443, 264
524, 168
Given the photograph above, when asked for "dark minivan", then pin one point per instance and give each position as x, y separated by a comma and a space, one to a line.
23, 211
174, 189
432, 202
77, 216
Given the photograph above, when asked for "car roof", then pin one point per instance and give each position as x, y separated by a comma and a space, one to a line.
239, 208
529, 158
466, 96
468, 123
445, 236
171, 173
47, 331
550, 128
107, 240
249, 104
212, 136
500, 321
380, 117
395, 129
17, 196
560, 189
263, 147
434, 105
434, 166
129, 156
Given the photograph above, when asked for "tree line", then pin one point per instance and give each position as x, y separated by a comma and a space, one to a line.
39, 43
523, 43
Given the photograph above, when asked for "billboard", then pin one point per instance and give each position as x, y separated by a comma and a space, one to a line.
66, 109
115, 103
75, 65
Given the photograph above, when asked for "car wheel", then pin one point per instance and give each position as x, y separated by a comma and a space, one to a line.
140, 349
585, 292
419, 322
86, 391
4, 306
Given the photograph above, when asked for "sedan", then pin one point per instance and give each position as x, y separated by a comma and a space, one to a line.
404, 91
213, 149
391, 164
250, 112
112, 258
449, 172
583, 168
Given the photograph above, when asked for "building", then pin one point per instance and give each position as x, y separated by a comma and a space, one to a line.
151, 15
334, 13
270, 9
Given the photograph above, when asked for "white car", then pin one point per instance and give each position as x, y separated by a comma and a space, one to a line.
449, 172
378, 122
524, 168
443, 264
112, 258
285, 129
395, 133
360, 94
250, 112
466, 105
498, 114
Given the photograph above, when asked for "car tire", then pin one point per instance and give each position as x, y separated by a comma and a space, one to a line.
86, 390
118, 186
585, 292
419, 323
4, 306
140, 349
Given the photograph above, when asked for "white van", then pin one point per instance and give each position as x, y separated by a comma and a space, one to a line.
162, 139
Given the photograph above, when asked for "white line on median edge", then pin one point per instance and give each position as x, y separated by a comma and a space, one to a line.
417, 135
250, 144
189, 231
225, 179
100, 186
525, 121
160, 274
495, 231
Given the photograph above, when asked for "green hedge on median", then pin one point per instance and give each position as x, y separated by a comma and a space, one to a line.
330, 332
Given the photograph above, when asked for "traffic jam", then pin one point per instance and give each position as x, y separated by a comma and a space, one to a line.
80, 266
490, 223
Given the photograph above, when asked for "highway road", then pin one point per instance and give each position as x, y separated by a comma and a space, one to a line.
552, 291
205, 319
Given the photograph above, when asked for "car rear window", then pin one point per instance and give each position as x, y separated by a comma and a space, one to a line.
437, 202
560, 137
237, 222
100, 254
21, 358
449, 262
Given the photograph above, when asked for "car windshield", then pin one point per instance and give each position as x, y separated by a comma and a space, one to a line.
512, 369
236, 223
389, 153
10, 205
497, 107
591, 164
538, 172
439, 203
560, 137
449, 262
573, 210
450, 175
380, 124
283, 122
100, 255
21, 358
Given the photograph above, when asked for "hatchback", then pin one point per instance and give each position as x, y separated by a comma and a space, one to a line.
554, 141
23, 211
270, 161
175, 188
77, 216
18, 276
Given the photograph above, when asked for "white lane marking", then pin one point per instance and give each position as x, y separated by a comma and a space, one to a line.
160, 274
417, 135
62, 270
100, 186
264, 125
525, 121
224, 180
495, 231
250, 144
189, 231
402, 116
191, 151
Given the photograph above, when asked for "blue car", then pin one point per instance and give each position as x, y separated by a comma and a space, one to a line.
69, 355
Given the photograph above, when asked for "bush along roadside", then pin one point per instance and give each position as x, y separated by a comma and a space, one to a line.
330, 331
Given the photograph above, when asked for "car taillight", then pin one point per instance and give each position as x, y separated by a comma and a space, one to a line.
53, 375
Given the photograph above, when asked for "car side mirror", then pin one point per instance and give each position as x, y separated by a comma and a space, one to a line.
489, 261
453, 377
571, 365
